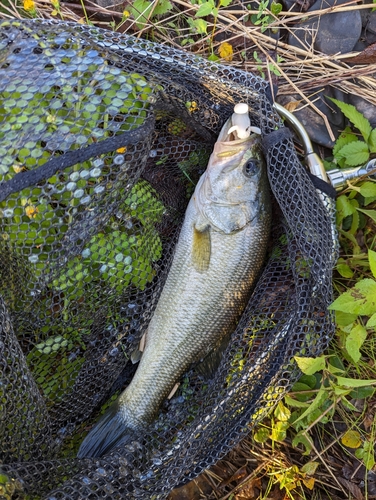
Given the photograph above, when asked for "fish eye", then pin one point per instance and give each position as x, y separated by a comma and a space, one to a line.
251, 167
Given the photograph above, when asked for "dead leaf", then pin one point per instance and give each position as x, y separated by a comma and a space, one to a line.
309, 482
292, 105
194, 490
249, 491
367, 56
352, 488
368, 420
239, 474
226, 51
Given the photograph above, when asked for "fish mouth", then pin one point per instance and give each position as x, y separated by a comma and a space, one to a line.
231, 148
225, 136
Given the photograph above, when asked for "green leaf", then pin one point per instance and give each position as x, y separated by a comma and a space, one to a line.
340, 391
224, 3
361, 299
371, 323
362, 392
309, 468
320, 398
349, 406
344, 270
310, 380
140, 10
337, 364
200, 25
351, 237
372, 261
354, 342
355, 153
344, 208
279, 431
355, 117
334, 369
369, 460
368, 189
261, 435
295, 403
301, 438
275, 8
372, 141
369, 213
344, 138
52, 344
309, 366
355, 217
281, 412
367, 455
303, 391
162, 7
345, 319
213, 57
351, 382
205, 9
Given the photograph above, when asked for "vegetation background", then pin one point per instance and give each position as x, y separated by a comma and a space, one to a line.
319, 443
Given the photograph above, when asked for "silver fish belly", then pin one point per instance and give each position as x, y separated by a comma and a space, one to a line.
217, 259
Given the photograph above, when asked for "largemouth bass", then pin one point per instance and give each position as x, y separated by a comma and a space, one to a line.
217, 259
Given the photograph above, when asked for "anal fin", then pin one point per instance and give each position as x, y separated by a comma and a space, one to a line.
201, 249
209, 365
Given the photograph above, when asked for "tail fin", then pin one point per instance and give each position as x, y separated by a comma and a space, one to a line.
109, 432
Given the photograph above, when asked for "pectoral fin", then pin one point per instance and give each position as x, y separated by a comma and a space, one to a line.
201, 249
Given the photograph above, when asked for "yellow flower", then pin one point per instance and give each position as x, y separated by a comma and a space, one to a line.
121, 150
126, 14
17, 168
29, 5
31, 211
192, 106
226, 51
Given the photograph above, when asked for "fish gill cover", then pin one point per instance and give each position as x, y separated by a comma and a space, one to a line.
103, 138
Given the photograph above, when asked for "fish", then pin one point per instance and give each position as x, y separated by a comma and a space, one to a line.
218, 257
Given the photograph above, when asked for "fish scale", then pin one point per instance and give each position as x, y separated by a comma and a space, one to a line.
217, 259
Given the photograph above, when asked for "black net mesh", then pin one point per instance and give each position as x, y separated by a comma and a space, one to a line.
102, 140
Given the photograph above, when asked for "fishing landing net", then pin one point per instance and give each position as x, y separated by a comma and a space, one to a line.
103, 138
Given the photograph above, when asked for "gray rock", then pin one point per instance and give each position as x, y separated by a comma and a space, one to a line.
364, 13
371, 23
297, 5
329, 33
291, 5
360, 46
313, 122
